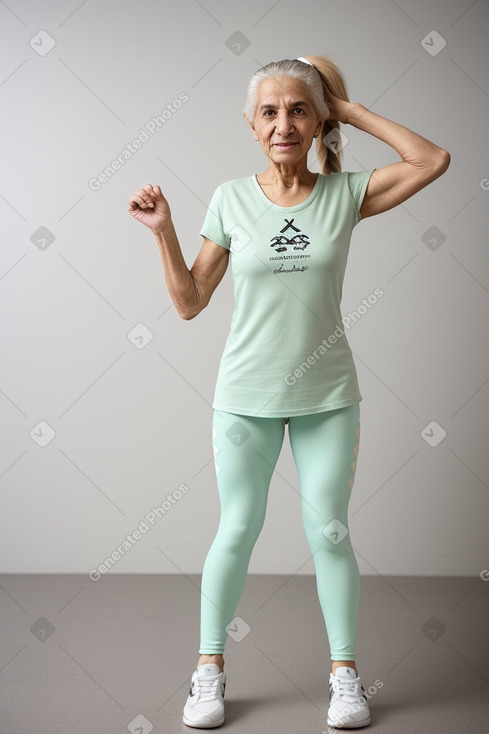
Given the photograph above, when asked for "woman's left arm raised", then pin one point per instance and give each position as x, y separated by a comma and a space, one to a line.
422, 161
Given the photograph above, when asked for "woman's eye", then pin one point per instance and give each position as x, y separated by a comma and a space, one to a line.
299, 109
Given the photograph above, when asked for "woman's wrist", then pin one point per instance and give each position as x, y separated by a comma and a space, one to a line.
160, 231
355, 110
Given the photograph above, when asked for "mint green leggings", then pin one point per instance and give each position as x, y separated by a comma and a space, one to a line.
246, 448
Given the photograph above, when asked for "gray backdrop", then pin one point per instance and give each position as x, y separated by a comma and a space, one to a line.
106, 393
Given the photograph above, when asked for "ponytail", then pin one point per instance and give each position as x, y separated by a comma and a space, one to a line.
333, 83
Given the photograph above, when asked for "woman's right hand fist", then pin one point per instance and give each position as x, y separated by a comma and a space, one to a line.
149, 206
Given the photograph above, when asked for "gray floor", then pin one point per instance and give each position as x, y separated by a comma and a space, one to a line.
116, 655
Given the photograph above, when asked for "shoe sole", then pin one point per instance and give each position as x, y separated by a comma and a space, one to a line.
195, 725
351, 725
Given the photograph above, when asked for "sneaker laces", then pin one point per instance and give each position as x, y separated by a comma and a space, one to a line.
205, 687
346, 689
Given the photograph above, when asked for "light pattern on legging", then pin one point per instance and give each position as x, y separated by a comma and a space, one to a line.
246, 449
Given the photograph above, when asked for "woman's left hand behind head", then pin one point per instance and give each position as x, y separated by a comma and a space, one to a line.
338, 109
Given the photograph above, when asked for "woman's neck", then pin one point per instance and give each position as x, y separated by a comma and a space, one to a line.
285, 177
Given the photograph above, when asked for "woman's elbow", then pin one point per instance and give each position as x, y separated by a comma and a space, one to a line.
188, 312
442, 161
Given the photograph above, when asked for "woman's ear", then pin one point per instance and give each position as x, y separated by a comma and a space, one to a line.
318, 129
252, 127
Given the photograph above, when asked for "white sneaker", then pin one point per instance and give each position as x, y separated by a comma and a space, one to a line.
205, 703
348, 706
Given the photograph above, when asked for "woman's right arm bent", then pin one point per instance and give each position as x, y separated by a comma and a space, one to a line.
190, 290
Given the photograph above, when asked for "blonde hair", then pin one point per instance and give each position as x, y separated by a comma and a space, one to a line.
323, 78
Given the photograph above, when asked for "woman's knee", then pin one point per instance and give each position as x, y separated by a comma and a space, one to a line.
330, 533
238, 537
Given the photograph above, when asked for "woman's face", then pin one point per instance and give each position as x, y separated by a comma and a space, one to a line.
285, 120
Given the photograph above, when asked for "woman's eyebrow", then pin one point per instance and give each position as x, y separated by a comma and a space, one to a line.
292, 104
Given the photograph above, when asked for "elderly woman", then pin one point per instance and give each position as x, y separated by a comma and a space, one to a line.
287, 361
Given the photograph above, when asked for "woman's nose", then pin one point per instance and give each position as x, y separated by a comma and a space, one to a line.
284, 123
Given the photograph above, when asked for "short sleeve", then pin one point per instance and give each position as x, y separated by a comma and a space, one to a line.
357, 183
213, 225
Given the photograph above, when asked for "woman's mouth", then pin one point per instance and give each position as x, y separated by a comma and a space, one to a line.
285, 146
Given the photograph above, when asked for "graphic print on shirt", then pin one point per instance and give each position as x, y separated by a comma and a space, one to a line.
282, 242
291, 239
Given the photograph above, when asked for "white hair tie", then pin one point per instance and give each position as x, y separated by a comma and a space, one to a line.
304, 61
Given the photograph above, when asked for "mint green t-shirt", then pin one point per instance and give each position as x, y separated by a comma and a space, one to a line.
286, 353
